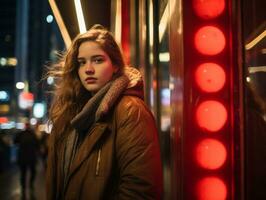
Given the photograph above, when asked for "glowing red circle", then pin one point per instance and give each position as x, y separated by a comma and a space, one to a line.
211, 188
3, 120
211, 115
210, 77
209, 40
210, 154
27, 96
208, 9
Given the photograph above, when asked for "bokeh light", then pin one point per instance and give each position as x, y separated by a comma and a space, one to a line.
210, 154
211, 188
211, 115
209, 40
210, 77
208, 9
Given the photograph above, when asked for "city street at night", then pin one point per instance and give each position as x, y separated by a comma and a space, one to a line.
10, 187
132, 99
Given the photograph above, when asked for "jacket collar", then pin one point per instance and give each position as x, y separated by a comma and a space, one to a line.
84, 151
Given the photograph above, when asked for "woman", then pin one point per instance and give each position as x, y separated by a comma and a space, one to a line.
104, 142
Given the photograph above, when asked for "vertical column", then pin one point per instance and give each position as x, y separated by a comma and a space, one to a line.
208, 102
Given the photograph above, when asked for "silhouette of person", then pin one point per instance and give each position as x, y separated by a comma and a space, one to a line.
4, 152
27, 155
44, 148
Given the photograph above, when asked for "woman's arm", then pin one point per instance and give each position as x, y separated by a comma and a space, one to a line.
137, 152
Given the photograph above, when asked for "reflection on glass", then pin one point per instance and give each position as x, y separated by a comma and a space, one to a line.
254, 31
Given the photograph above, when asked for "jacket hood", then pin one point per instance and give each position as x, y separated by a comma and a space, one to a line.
130, 83
135, 85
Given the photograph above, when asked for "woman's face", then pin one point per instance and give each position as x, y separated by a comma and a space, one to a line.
95, 66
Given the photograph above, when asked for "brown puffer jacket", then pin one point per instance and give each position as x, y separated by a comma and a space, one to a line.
119, 157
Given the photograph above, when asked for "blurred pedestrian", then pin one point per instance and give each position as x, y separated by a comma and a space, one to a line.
4, 149
43, 141
28, 149
104, 142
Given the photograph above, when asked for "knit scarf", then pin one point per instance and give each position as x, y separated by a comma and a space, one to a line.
99, 105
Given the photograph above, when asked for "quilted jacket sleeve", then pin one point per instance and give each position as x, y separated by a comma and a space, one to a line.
137, 151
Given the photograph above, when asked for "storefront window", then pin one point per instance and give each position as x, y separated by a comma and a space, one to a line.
254, 35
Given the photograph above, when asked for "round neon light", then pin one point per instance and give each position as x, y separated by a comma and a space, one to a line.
3, 120
209, 40
208, 9
210, 154
210, 77
211, 115
211, 188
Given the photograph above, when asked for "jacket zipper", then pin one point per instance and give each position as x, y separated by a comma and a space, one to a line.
98, 162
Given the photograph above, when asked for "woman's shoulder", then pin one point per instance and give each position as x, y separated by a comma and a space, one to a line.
132, 107
131, 102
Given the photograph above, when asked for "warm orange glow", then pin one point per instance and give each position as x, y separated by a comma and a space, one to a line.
125, 37
209, 40
3, 120
211, 188
27, 96
208, 9
210, 154
211, 115
210, 77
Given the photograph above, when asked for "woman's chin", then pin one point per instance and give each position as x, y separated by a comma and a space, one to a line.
92, 90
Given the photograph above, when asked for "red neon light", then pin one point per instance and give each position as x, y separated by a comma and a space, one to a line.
211, 115
210, 77
3, 120
209, 40
27, 96
210, 154
208, 9
125, 37
211, 188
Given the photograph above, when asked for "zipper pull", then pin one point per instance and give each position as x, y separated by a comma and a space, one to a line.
98, 162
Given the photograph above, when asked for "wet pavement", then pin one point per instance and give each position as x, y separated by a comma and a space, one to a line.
10, 186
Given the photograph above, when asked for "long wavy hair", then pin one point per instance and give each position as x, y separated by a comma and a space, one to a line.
69, 94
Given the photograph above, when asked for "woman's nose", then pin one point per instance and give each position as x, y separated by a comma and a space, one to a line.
89, 69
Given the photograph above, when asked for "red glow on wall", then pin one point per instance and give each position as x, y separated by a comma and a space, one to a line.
210, 154
211, 188
210, 77
211, 115
208, 9
209, 40
125, 37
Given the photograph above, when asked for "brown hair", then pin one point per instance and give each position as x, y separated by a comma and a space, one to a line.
69, 94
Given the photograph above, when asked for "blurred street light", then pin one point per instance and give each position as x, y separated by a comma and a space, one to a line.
20, 85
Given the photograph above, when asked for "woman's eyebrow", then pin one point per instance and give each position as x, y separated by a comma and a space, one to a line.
95, 56
80, 58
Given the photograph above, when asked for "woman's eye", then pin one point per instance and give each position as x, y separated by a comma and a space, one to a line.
98, 60
81, 63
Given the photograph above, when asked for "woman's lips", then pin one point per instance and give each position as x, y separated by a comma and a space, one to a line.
90, 80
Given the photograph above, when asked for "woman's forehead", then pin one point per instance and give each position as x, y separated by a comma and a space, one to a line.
90, 48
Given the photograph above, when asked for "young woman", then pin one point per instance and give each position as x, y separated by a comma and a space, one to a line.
104, 142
